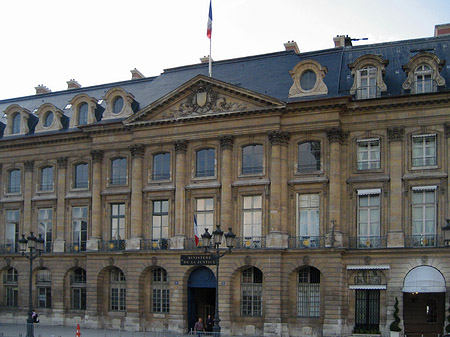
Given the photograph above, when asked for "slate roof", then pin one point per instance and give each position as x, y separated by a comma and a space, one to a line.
266, 74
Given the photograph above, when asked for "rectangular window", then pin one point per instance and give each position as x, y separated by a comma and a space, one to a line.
12, 230
251, 292
308, 218
368, 154
367, 83
205, 163
46, 179
308, 157
369, 218
79, 298
367, 311
161, 166
160, 221
424, 216
45, 225
309, 292
252, 159
204, 213
117, 222
12, 296
424, 150
44, 297
79, 227
14, 181
160, 291
81, 176
252, 221
119, 171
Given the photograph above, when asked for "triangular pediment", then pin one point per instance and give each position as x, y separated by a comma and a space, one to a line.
203, 96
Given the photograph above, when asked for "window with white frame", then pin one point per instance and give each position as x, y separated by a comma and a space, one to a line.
424, 150
46, 179
44, 288
12, 230
14, 181
367, 83
252, 221
45, 227
369, 218
251, 292
11, 285
308, 218
117, 222
160, 291
308, 287
368, 154
160, 223
424, 205
81, 175
423, 76
79, 227
118, 291
118, 171
204, 213
78, 289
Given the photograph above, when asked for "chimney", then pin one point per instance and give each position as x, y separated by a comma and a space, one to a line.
204, 59
136, 74
342, 41
292, 45
73, 84
41, 89
440, 30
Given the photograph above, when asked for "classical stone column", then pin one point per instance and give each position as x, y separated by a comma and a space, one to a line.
226, 218
27, 195
284, 186
59, 244
276, 239
97, 159
396, 235
177, 242
336, 138
137, 155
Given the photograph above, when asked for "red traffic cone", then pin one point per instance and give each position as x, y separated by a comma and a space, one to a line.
78, 334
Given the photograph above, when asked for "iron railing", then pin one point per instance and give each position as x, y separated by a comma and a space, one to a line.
424, 241
306, 242
9, 248
112, 245
254, 242
367, 92
76, 247
155, 244
367, 242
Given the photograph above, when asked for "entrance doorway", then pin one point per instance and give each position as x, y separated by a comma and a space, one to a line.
201, 295
424, 302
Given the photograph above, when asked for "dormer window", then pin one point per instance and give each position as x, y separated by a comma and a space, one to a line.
83, 114
48, 119
15, 127
308, 78
368, 72
117, 105
423, 79
423, 75
19, 120
84, 110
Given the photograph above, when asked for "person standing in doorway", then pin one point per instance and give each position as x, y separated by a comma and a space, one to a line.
209, 324
198, 327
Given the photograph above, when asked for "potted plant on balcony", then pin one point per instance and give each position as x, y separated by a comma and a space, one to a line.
394, 328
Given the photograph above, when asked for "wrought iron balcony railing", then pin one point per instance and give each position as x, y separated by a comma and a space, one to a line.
306, 242
9, 248
155, 244
366, 92
112, 245
254, 242
367, 242
424, 240
76, 247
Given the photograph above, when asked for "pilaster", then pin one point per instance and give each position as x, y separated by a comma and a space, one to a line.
177, 242
226, 145
59, 244
27, 195
97, 159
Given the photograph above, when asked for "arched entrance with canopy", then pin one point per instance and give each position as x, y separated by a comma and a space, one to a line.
424, 302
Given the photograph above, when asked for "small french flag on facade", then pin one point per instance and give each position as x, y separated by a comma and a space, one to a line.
209, 26
196, 234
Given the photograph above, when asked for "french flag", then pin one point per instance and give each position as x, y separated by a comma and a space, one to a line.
197, 236
209, 26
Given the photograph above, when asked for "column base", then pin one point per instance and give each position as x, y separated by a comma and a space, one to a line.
277, 240
396, 239
133, 243
276, 329
59, 246
177, 242
93, 244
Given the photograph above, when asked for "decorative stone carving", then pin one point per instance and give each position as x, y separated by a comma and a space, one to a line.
424, 260
29, 166
396, 134
369, 60
111, 261
337, 135
41, 262
62, 162
417, 60
279, 138
226, 142
180, 146
76, 262
247, 260
137, 150
97, 156
312, 68
367, 260
306, 260
8, 262
154, 261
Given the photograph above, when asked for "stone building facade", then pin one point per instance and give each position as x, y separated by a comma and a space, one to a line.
331, 167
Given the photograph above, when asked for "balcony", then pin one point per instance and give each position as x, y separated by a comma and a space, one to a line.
306, 242
78, 279
111, 246
9, 248
367, 92
75, 247
424, 241
155, 244
254, 242
367, 242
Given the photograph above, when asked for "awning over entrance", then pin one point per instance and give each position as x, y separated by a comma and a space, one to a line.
424, 279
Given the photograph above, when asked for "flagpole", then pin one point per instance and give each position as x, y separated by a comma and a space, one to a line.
209, 35
210, 59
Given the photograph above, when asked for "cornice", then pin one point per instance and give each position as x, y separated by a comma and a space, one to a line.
42, 140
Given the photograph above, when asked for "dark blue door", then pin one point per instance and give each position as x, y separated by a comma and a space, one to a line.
201, 294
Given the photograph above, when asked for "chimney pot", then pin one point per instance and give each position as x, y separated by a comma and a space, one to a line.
292, 45
440, 30
136, 74
204, 59
41, 89
73, 84
342, 41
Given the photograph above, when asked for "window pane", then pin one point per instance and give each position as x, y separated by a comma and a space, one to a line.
309, 156
252, 159
161, 166
205, 163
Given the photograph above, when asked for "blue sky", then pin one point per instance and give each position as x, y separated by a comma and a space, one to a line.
51, 41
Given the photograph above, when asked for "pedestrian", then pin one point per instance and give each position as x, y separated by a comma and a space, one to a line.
198, 327
209, 323
35, 317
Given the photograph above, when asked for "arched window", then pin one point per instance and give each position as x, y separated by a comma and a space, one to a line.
251, 292
252, 159
44, 288
367, 83
308, 156
83, 113
81, 176
308, 300
205, 163
117, 105
161, 166
118, 291
423, 76
46, 183
160, 291
11, 285
15, 128
48, 119
78, 289
119, 171
14, 181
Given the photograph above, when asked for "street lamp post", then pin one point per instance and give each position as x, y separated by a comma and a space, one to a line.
217, 236
35, 247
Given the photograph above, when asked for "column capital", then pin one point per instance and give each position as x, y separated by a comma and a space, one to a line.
279, 137
337, 135
62, 162
180, 146
29, 166
137, 150
97, 156
395, 133
226, 142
